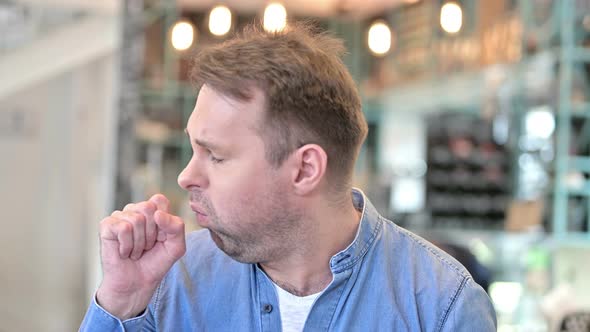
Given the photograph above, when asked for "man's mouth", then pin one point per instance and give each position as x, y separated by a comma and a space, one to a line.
198, 210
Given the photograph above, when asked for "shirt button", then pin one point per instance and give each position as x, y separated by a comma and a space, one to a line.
267, 308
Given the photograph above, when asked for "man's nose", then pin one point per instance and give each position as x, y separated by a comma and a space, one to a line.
192, 175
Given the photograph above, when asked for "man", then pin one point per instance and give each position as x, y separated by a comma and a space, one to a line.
289, 244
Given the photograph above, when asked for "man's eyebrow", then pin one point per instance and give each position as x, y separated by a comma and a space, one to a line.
205, 144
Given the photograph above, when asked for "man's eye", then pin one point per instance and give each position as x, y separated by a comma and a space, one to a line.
213, 159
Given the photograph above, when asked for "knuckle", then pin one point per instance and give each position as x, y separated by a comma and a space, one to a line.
137, 219
129, 207
157, 197
105, 221
125, 227
147, 207
105, 225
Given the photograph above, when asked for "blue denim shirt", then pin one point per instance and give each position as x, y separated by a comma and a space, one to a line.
388, 279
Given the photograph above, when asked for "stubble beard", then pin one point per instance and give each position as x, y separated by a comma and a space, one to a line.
259, 234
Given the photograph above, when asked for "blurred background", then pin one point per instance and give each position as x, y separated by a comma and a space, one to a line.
479, 136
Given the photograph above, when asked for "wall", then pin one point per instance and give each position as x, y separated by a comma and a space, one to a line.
57, 147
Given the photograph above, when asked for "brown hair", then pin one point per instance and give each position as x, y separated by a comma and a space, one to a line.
309, 93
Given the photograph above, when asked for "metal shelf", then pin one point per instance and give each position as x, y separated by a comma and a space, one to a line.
580, 163
570, 54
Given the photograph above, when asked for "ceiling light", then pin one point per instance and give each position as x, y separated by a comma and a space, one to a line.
220, 20
451, 17
275, 17
183, 34
379, 38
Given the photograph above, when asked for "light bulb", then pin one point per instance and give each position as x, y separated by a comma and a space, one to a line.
275, 17
451, 17
220, 20
183, 34
379, 38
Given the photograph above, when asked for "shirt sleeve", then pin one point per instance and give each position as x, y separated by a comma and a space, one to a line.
472, 310
97, 319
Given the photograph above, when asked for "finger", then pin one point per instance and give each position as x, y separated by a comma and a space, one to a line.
128, 207
138, 221
151, 229
125, 237
161, 236
170, 224
173, 229
106, 228
161, 202
147, 209
114, 229
115, 213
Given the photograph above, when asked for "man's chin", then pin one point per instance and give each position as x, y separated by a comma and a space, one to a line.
234, 254
216, 238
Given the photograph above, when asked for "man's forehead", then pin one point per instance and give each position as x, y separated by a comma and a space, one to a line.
245, 96
212, 105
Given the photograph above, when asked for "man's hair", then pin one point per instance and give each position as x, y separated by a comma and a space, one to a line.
309, 94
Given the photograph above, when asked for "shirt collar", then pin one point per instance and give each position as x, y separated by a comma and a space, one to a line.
369, 227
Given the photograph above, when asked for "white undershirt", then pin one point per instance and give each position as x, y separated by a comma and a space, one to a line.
294, 309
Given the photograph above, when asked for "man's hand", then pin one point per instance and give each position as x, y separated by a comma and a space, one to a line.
138, 247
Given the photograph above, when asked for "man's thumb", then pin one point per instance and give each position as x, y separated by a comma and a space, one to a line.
169, 224
161, 202
171, 233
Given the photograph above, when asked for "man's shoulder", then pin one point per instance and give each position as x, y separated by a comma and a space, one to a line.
416, 269
420, 256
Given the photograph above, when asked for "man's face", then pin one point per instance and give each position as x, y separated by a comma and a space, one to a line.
243, 200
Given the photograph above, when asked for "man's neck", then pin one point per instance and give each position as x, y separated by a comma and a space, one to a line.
307, 270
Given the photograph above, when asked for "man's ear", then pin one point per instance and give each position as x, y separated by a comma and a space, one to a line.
309, 168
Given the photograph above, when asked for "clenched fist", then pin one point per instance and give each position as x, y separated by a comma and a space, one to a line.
138, 247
